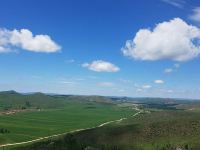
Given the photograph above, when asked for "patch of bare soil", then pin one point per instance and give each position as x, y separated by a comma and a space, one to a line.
14, 111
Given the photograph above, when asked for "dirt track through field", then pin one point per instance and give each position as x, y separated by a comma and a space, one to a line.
56, 135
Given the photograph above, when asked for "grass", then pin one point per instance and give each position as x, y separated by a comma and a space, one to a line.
75, 115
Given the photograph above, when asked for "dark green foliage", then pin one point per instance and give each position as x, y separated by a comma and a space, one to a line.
4, 131
28, 104
68, 142
110, 147
160, 106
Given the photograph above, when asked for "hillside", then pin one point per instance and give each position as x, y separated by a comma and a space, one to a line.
12, 100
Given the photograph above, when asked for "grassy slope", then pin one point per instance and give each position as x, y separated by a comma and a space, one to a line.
58, 115
150, 131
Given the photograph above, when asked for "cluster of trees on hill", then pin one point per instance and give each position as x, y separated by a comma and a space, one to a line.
68, 142
3, 131
26, 105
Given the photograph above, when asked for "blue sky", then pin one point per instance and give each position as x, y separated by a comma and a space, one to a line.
122, 48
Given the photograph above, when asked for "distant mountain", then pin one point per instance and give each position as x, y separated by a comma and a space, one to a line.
9, 92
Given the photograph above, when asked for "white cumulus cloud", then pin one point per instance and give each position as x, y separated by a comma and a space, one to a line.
159, 81
173, 40
101, 66
25, 39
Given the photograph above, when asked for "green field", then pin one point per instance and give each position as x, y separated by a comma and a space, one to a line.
73, 114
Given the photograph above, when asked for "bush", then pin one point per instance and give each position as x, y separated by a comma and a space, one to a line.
3, 131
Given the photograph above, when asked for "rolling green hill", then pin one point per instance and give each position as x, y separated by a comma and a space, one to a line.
14, 100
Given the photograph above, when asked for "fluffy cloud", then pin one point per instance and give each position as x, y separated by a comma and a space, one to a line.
173, 40
196, 14
101, 66
146, 86
24, 39
159, 81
